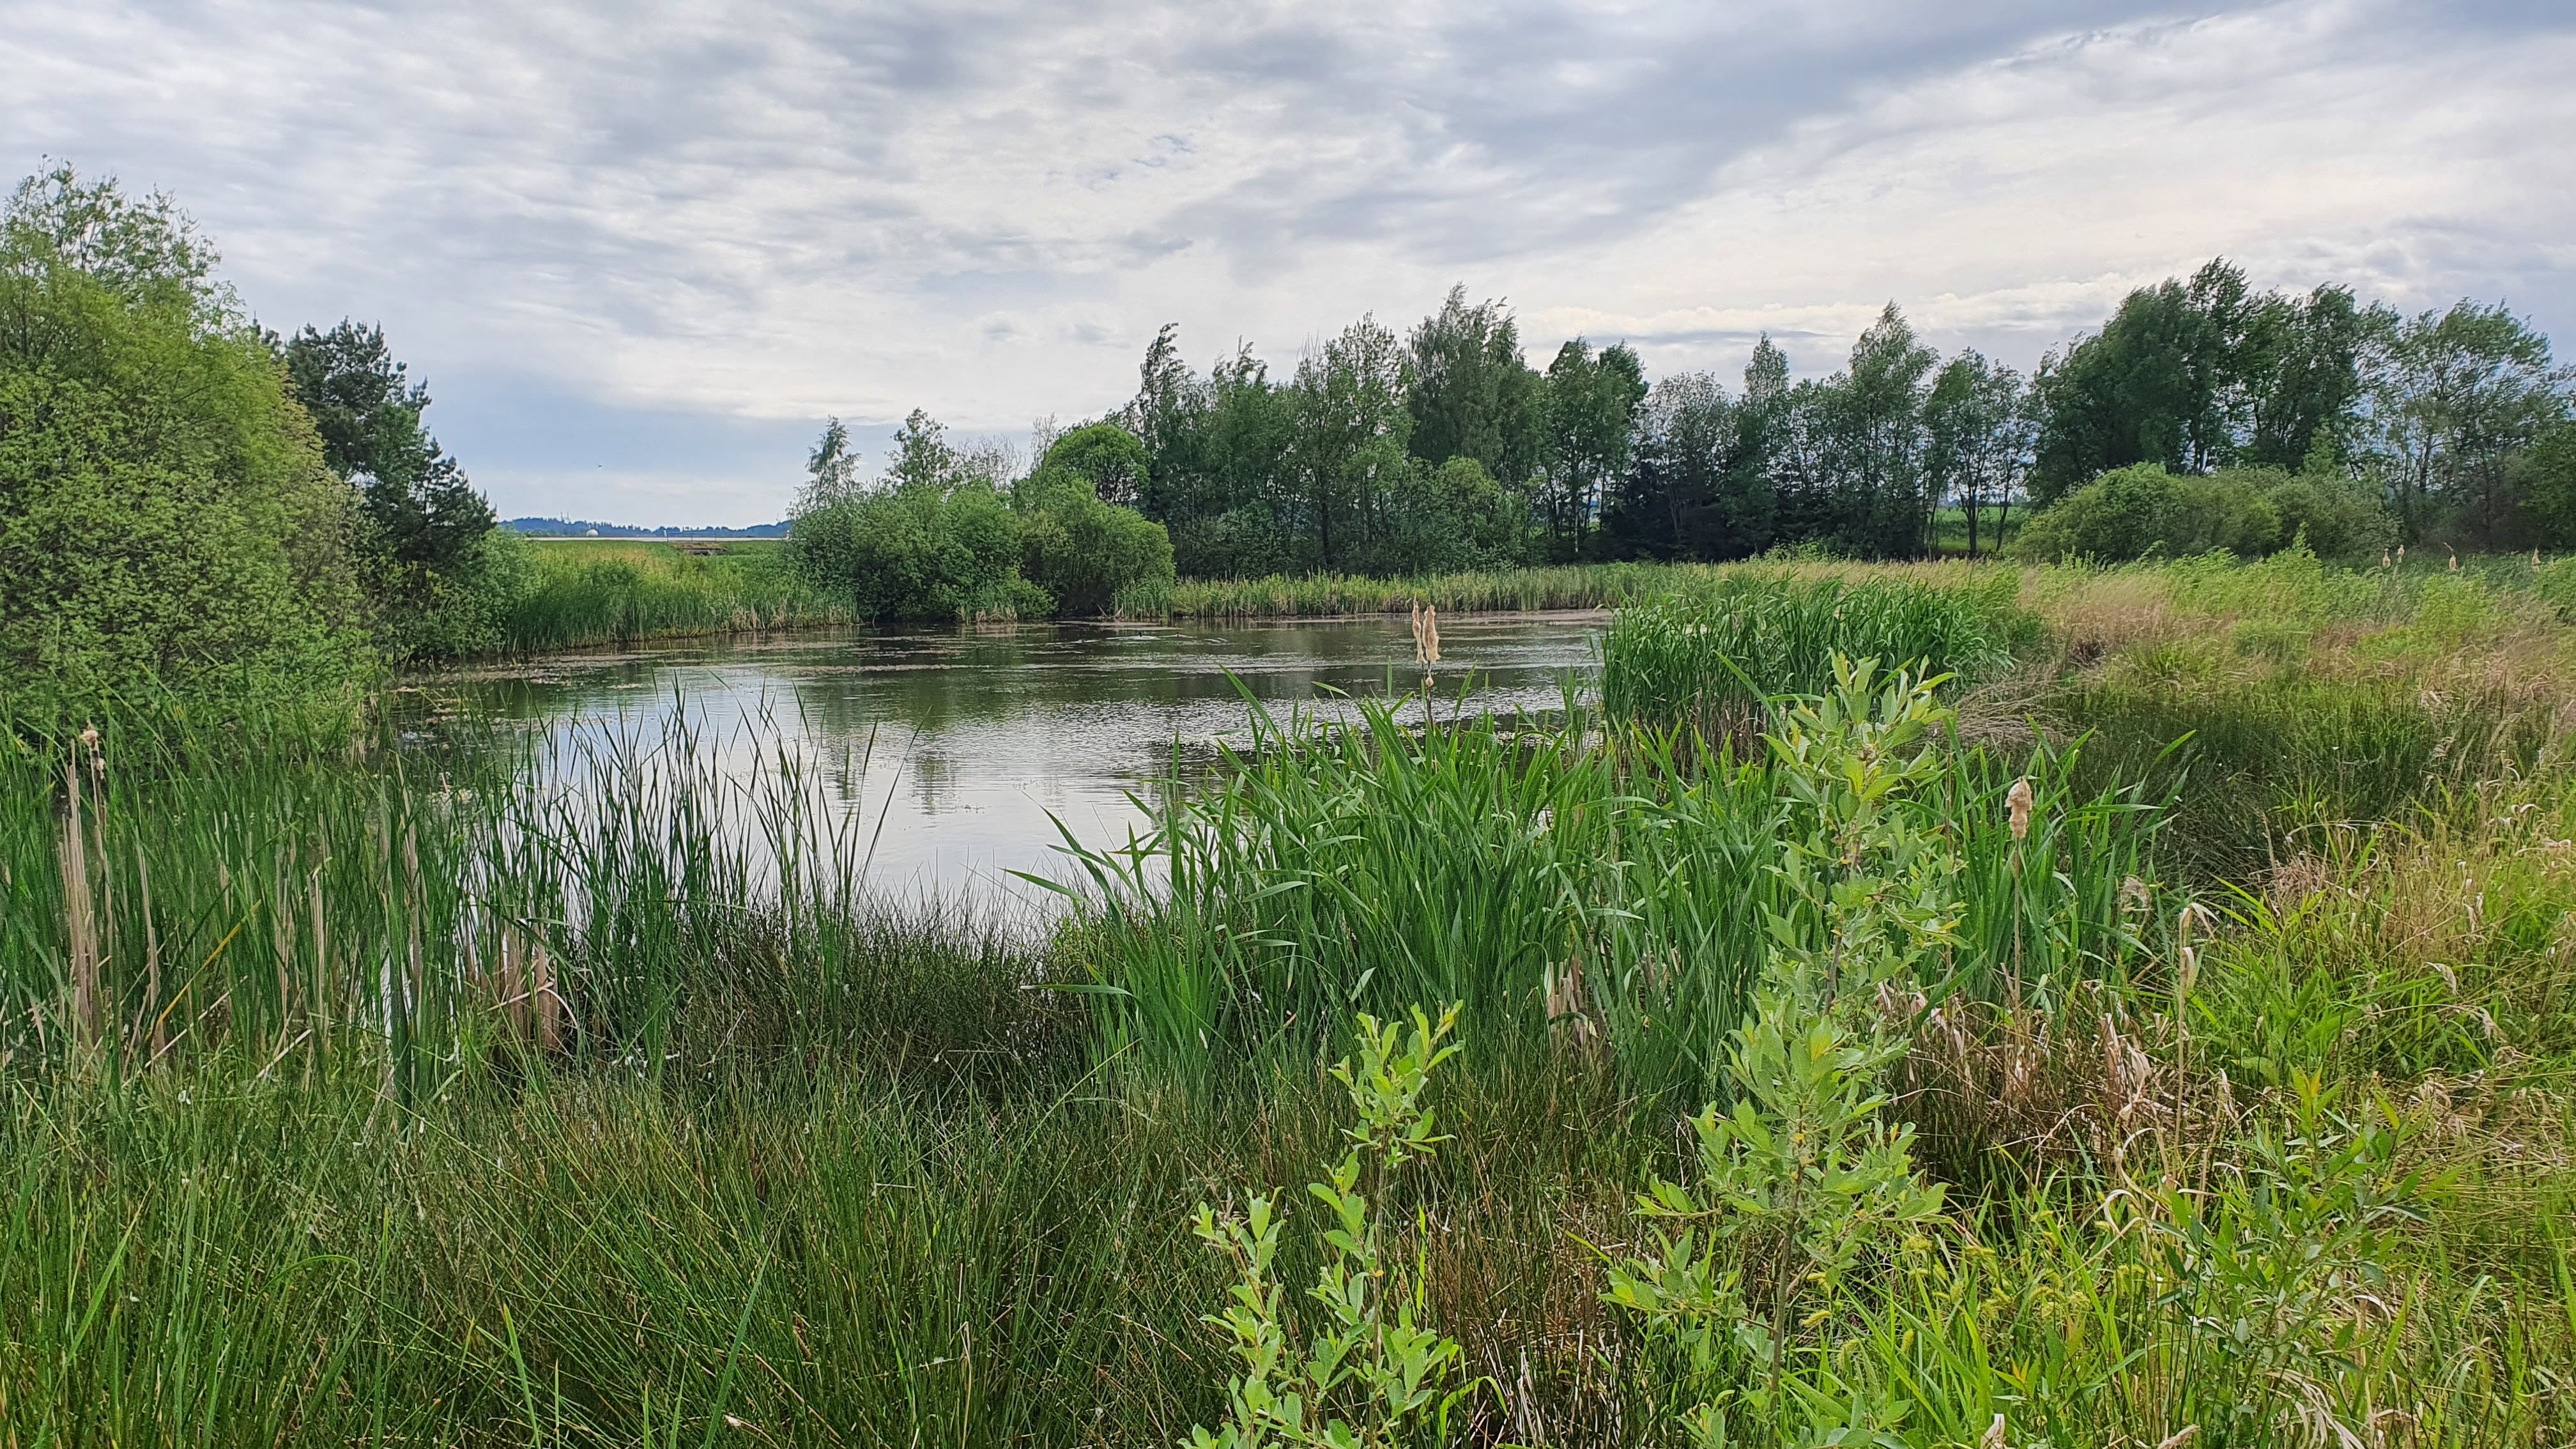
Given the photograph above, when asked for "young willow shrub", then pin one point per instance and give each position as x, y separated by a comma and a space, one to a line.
2267, 1261
1367, 1377
1803, 1184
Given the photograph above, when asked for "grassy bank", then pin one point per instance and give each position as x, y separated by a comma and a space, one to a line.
389, 1098
619, 591
2293, 703
1317, 596
588, 592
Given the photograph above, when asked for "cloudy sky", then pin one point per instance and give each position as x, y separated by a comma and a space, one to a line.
640, 251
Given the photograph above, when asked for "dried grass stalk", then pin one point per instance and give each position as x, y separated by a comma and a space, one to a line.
80, 915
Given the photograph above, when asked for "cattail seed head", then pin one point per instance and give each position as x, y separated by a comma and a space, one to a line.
2192, 916
2018, 800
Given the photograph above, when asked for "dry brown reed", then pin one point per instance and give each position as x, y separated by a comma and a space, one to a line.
2032, 1090
2093, 616
80, 914
524, 991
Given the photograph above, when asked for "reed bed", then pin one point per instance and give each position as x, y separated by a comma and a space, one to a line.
1712, 656
408, 905
1318, 596
586, 594
1613, 889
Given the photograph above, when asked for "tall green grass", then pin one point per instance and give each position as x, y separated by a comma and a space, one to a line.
1616, 892
212, 1259
585, 595
819, 1252
2267, 764
1570, 586
2284, 701
407, 907
1713, 655
786, 1168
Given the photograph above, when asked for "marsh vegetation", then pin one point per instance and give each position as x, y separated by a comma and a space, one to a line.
2200, 941
2104, 998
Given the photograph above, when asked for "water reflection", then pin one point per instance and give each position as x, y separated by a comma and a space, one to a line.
962, 744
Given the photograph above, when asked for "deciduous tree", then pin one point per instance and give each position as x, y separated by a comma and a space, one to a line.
1473, 396
2454, 394
1977, 440
1591, 406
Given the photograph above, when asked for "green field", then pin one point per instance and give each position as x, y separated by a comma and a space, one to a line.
379, 1098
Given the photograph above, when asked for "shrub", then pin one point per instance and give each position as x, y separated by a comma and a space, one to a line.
1082, 551
465, 609
2133, 512
945, 543
1375, 1369
917, 553
2335, 515
167, 523
1451, 519
1803, 1184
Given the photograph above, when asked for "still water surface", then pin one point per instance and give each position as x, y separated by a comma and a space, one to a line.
972, 740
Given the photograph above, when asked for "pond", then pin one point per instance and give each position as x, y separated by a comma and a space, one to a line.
959, 750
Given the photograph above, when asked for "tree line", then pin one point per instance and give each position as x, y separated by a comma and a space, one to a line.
193, 503
1444, 448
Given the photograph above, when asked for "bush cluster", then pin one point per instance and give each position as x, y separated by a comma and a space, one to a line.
168, 524
2144, 510
944, 541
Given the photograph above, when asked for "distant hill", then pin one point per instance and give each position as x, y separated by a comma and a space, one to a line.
584, 528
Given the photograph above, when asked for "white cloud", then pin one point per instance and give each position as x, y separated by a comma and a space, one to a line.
767, 211
2013, 201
